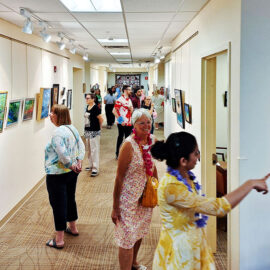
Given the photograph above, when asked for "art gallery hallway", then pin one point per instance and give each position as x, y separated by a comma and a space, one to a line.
23, 237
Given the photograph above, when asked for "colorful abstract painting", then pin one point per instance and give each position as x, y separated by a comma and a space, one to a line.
44, 103
13, 112
179, 107
3, 102
28, 109
188, 113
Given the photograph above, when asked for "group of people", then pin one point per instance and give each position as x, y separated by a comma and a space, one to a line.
182, 243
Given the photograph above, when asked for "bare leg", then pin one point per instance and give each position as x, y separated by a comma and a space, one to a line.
125, 258
136, 250
73, 227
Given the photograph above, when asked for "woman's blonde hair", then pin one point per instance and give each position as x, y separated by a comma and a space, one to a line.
62, 113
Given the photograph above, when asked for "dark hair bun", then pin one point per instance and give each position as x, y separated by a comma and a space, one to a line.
159, 151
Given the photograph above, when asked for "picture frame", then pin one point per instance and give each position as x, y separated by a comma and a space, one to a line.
167, 94
179, 100
69, 99
188, 114
13, 114
44, 103
28, 109
55, 94
3, 108
173, 105
225, 98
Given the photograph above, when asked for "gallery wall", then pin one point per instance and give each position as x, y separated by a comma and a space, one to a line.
24, 69
215, 32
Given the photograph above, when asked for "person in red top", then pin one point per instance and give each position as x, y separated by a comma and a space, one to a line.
123, 110
135, 99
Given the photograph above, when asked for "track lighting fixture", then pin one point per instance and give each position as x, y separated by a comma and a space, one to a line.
72, 47
157, 60
45, 36
61, 45
28, 25
85, 56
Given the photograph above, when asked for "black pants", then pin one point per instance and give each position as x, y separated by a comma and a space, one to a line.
122, 131
109, 115
61, 189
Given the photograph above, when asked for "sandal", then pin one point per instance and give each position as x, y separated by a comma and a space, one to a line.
139, 267
68, 230
54, 245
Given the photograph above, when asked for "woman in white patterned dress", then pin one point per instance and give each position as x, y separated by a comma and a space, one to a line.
132, 220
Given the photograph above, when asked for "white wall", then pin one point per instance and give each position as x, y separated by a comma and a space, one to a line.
23, 71
221, 110
217, 24
255, 132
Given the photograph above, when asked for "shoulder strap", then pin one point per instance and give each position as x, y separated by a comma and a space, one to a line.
74, 135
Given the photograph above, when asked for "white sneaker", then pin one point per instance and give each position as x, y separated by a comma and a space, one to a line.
88, 169
94, 173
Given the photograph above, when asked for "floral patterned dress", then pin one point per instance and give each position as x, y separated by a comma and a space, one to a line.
182, 245
135, 219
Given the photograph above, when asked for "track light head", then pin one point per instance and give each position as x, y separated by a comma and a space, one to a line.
45, 36
61, 45
25, 13
85, 56
28, 26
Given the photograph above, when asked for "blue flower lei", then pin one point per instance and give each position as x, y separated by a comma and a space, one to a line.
201, 220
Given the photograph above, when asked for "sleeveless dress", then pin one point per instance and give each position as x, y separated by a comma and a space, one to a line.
135, 219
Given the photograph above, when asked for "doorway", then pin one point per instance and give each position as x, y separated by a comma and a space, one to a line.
215, 136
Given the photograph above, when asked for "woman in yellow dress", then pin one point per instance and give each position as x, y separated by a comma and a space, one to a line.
182, 243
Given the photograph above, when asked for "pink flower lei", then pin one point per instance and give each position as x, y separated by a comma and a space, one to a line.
148, 163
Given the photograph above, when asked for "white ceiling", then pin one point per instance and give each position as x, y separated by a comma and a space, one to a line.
148, 25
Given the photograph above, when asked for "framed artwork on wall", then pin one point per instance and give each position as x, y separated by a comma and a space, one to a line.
173, 105
28, 109
44, 103
13, 112
179, 107
188, 113
3, 102
225, 98
69, 98
54, 94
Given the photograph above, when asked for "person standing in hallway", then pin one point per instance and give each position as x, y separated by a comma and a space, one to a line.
133, 220
182, 242
123, 110
63, 162
109, 101
135, 98
147, 104
158, 101
92, 132
98, 99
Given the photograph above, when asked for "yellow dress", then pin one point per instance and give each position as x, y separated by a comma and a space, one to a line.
181, 244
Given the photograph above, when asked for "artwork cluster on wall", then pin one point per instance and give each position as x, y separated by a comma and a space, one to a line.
128, 79
24, 108
182, 109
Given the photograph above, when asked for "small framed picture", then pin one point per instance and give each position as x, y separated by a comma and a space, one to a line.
179, 99
28, 108
173, 105
225, 98
13, 112
69, 98
188, 113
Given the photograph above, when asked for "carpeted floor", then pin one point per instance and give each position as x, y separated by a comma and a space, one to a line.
23, 237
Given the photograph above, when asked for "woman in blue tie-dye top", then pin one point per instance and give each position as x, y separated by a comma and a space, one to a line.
63, 162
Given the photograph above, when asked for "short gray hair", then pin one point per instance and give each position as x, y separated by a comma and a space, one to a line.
138, 113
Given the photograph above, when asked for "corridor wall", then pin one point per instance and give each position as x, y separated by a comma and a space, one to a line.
218, 26
24, 69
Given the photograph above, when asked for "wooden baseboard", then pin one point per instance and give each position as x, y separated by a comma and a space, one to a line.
21, 202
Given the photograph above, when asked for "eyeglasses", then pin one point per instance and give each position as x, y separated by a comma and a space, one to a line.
143, 123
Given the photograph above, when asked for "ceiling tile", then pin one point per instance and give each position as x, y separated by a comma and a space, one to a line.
56, 17
151, 5
3, 8
174, 29
147, 17
35, 5
184, 16
98, 17
193, 5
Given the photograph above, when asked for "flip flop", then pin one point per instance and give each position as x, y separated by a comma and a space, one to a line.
54, 245
68, 230
139, 267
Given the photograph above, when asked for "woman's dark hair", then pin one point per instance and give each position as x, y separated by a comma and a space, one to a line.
125, 87
93, 96
178, 145
110, 91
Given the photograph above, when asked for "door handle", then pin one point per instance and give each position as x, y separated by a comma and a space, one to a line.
214, 159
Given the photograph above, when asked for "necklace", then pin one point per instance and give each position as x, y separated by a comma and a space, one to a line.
148, 163
201, 220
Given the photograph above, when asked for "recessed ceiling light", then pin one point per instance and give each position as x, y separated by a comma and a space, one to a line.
93, 5
115, 40
119, 53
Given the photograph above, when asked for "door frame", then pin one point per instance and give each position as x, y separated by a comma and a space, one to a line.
233, 244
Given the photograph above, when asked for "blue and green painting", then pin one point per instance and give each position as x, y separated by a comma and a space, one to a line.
13, 112
46, 103
3, 100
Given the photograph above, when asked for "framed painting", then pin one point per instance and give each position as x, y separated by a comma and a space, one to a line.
28, 109
188, 113
44, 103
13, 112
173, 105
3, 102
179, 107
54, 94
69, 98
